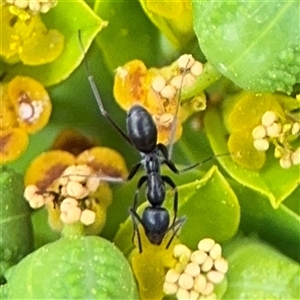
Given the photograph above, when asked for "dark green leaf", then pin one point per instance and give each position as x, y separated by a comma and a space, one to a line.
253, 43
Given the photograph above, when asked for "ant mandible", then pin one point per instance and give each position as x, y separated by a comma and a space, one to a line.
142, 134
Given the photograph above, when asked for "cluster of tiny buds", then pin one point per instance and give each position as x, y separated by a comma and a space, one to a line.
75, 185
42, 6
189, 69
273, 130
196, 273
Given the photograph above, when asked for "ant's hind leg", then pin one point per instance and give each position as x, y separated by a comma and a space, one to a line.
176, 227
135, 220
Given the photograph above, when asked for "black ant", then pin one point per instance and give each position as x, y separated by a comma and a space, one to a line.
142, 134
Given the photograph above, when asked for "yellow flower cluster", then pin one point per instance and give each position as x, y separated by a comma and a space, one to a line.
42, 6
25, 108
196, 273
274, 130
158, 90
74, 188
24, 37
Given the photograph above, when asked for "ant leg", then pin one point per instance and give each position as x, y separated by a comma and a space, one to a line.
170, 182
135, 219
177, 225
172, 166
133, 171
98, 97
134, 214
163, 149
142, 180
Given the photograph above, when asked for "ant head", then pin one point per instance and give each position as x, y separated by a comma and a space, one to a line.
141, 129
156, 223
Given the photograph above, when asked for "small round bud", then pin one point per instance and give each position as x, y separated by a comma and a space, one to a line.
21, 3
170, 288
221, 265
259, 132
197, 68
30, 191
295, 128
261, 144
192, 269
71, 170
209, 288
87, 217
70, 216
199, 283
36, 201
181, 250
268, 118
295, 157
172, 276
206, 244
215, 276
207, 265
67, 204
198, 257
166, 119
168, 91
76, 190
273, 130
92, 184
188, 80
194, 295
177, 81
185, 61
216, 251
182, 294
158, 83
186, 281
81, 173
285, 162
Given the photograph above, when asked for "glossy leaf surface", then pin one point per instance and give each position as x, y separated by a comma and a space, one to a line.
255, 44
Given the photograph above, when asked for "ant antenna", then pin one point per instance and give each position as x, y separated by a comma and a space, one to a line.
202, 162
97, 95
174, 123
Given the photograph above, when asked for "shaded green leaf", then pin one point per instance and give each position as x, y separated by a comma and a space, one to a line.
279, 227
242, 40
16, 236
68, 22
257, 271
129, 34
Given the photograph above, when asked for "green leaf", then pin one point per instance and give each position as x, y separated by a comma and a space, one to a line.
43, 233
68, 22
257, 271
279, 227
129, 34
174, 19
242, 40
16, 236
211, 208
272, 181
77, 268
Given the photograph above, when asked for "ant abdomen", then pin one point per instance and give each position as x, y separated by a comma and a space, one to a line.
141, 129
156, 221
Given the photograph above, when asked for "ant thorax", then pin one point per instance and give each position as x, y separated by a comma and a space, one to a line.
151, 161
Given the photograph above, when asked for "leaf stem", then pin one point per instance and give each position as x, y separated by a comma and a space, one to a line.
209, 76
